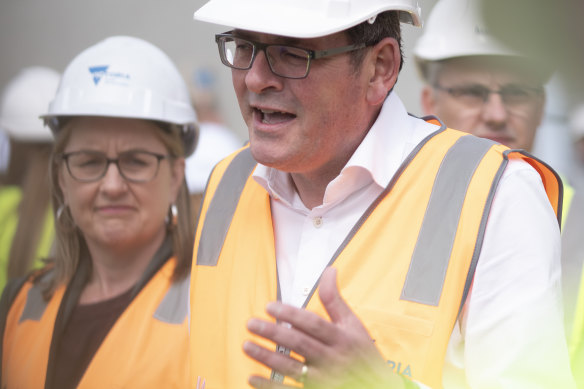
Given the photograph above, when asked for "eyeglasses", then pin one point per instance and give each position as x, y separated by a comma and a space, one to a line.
513, 96
134, 166
284, 61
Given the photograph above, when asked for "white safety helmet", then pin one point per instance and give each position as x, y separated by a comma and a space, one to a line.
125, 77
24, 99
455, 28
303, 18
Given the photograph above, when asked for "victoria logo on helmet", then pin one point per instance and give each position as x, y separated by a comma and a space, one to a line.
101, 72
98, 72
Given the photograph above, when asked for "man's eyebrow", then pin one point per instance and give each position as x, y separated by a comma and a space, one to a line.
515, 84
468, 85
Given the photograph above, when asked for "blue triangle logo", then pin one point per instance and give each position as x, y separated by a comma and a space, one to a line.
98, 72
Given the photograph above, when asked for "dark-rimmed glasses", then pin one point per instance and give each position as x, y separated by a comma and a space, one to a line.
475, 95
133, 165
284, 61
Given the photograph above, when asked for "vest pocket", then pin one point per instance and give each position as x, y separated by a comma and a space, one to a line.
389, 321
400, 338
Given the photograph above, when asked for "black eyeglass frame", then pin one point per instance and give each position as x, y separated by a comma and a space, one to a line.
452, 91
115, 161
258, 46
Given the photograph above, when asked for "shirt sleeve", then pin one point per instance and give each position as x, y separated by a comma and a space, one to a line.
511, 332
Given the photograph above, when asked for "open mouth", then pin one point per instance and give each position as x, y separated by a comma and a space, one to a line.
267, 116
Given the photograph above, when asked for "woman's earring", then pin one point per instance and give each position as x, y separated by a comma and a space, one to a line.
173, 215
60, 211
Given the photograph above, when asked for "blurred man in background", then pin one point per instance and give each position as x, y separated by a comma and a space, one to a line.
477, 84
216, 140
26, 222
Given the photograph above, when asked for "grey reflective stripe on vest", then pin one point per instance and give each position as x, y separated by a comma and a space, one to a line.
35, 305
35, 302
427, 271
173, 308
431, 255
222, 208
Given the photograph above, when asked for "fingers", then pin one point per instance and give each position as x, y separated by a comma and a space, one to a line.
305, 344
336, 307
330, 296
316, 327
264, 383
306, 322
338, 353
281, 363
334, 304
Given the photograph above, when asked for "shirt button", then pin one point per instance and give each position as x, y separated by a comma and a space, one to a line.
305, 291
317, 222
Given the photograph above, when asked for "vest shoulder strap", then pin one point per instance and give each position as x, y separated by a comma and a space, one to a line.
174, 306
222, 207
10, 292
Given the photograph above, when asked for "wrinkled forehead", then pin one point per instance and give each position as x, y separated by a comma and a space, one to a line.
102, 132
489, 69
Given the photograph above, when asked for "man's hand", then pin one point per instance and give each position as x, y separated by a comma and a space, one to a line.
337, 354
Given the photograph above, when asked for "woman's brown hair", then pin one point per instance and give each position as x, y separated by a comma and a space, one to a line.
28, 170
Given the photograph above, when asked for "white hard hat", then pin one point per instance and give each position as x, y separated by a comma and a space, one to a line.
303, 18
24, 99
455, 28
125, 77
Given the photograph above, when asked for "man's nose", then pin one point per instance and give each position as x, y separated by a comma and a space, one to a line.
494, 109
260, 76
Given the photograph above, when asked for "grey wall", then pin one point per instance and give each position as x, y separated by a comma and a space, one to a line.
52, 32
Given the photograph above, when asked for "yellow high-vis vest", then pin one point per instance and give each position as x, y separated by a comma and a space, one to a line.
10, 197
405, 269
146, 348
573, 279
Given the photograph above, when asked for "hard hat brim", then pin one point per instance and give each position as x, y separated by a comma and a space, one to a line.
287, 19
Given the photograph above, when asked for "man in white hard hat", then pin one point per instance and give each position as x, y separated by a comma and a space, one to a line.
341, 248
473, 82
477, 84
26, 222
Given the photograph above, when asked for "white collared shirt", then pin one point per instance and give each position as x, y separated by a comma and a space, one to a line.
510, 334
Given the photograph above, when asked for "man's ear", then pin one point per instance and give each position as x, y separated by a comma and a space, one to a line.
428, 100
385, 59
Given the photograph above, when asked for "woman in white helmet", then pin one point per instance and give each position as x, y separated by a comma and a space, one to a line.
26, 222
110, 310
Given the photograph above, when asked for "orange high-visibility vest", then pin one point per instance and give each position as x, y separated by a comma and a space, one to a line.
146, 348
405, 268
